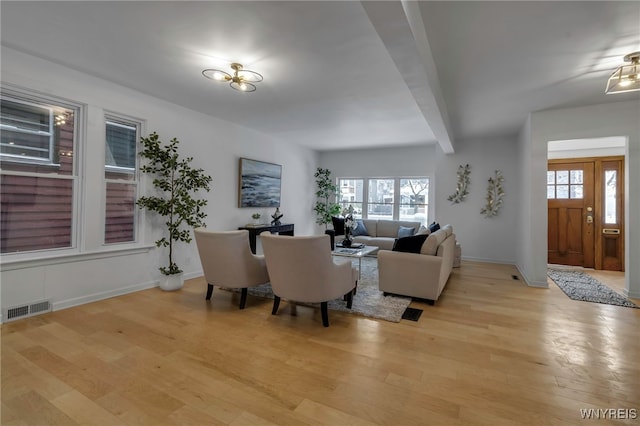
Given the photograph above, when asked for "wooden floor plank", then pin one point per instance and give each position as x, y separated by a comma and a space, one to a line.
491, 351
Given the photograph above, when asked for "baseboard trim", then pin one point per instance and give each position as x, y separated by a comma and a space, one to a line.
631, 294
483, 260
69, 303
532, 283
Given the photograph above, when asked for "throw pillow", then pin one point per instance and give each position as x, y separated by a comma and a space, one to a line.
405, 231
423, 230
360, 229
411, 244
338, 225
434, 227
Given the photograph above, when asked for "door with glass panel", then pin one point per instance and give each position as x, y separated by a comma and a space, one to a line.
586, 212
610, 228
570, 200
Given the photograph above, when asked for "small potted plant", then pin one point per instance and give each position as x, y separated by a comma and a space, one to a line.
256, 218
176, 183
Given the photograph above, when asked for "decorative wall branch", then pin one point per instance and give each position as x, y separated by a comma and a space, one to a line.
495, 193
462, 188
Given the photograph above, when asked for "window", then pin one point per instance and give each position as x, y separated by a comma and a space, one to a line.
387, 198
380, 200
121, 186
610, 203
565, 184
38, 173
413, 199
351, 193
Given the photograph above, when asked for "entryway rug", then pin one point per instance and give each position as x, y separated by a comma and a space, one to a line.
581, 286
369, 301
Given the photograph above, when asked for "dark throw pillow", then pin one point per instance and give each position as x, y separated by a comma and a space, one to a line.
434, 227
411, 244
338, 225
405, 231
360, 229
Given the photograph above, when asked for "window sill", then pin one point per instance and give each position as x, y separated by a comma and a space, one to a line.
56, 259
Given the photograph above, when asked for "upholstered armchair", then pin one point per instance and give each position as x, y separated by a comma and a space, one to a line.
227, 261
302, 270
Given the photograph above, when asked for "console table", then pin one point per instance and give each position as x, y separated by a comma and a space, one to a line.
254, 231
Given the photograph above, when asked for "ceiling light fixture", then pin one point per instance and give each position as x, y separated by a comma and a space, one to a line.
627, 77
241, 79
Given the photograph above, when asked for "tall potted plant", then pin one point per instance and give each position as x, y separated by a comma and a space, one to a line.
325, 208
176, 183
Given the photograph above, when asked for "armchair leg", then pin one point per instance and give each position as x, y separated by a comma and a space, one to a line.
349, 299
243, 298
209, 291
325, 313
276, 303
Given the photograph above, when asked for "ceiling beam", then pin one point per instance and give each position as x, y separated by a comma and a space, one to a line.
400, 27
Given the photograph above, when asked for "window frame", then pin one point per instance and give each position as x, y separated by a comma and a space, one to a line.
396, 205
28, 97
127, 122
86, 172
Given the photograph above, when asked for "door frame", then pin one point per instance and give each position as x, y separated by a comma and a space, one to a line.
598, 205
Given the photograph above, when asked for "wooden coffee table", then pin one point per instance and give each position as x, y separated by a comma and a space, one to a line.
358, 253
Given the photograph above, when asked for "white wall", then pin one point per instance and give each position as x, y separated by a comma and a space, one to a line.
604, 120
216, 146
483, 239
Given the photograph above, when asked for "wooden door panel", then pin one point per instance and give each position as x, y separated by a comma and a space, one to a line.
570, 236
553, 232
574, 234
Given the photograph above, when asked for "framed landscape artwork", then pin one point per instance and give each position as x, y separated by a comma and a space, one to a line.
259, 183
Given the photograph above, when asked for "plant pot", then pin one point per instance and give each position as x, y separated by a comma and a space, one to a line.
172, 282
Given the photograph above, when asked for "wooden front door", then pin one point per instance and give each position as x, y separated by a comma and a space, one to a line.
570, 198
586, 212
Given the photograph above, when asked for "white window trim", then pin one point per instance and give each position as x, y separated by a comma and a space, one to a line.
126, 121
28, 97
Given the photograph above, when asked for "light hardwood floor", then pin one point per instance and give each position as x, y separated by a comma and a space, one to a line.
491, 351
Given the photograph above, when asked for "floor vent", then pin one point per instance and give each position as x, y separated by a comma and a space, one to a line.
29, 310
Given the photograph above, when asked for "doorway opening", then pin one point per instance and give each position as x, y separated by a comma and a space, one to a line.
585, 203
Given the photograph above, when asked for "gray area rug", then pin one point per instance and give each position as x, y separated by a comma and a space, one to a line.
368, 301
580, 286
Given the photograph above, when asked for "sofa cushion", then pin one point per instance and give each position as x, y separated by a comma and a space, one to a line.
360, 229
448, 229
338, 225
430, 246
411, 244
405, 231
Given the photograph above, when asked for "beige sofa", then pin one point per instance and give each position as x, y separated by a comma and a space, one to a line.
382, 233
422, 275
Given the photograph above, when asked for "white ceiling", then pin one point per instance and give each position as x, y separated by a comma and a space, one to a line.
345, 74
